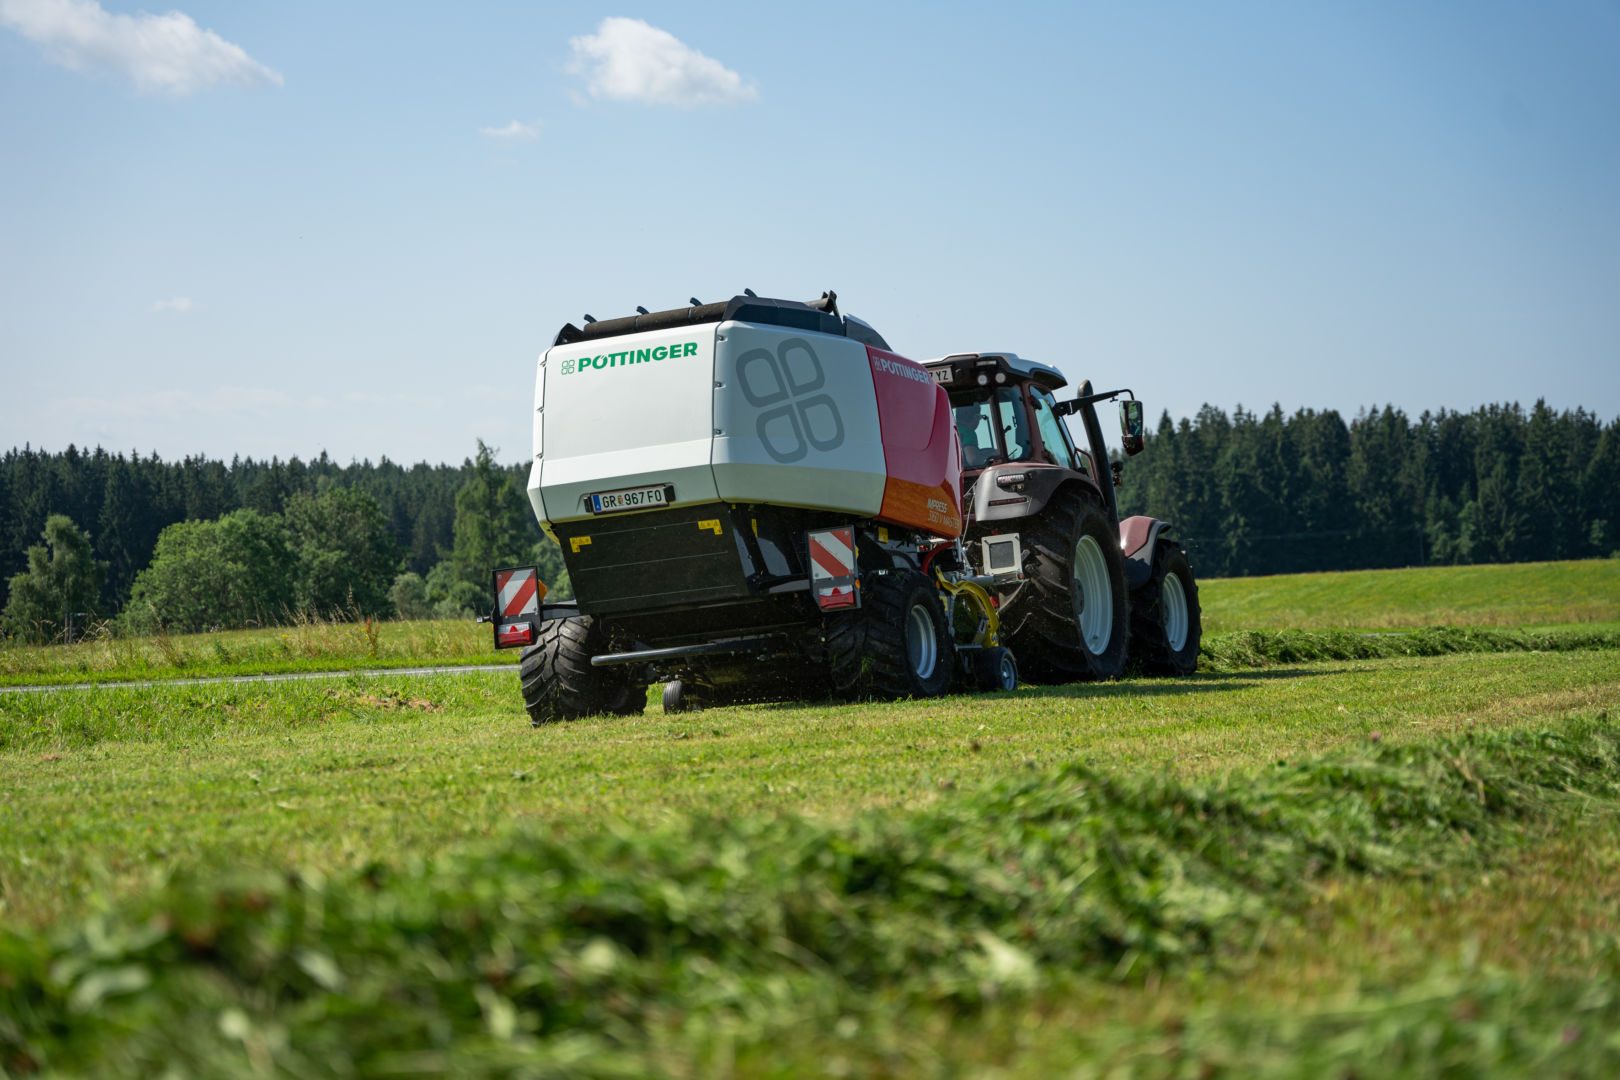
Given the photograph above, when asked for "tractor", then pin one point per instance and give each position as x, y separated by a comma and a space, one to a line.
757, 499
1081, 594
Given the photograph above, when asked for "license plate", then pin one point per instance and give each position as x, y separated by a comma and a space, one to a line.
641, 498
943, 375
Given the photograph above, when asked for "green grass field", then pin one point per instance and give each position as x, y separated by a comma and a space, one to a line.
1525, 595
1395, 854
314, 645
1515, 595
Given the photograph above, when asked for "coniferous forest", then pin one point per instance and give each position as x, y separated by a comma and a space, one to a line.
1248, 493
1282, 494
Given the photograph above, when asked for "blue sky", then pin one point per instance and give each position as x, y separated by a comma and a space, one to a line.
283, 228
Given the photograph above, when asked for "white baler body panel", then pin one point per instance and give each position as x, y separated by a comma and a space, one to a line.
796, 420
621, 413
756, 413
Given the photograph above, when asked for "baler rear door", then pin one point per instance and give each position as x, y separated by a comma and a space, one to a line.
624, 416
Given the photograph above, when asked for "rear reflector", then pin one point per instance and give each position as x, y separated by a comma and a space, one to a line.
518, 590
833, 580
515, 635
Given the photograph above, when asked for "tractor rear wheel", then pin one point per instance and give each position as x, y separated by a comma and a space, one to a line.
897, 645
1071, 618
559, 682
1166, 623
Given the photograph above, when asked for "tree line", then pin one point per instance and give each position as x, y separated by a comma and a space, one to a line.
1277, 494
194, 544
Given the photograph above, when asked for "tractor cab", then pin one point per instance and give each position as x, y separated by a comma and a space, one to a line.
1008, 413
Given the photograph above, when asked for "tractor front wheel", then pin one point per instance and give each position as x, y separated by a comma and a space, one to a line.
559, 682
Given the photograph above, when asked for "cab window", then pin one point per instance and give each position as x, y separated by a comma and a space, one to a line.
993, 430
978, 434
1056, 439
1014, 426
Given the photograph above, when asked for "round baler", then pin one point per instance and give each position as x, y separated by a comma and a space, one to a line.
758, 499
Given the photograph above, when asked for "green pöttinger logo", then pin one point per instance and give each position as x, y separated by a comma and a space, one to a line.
628, 357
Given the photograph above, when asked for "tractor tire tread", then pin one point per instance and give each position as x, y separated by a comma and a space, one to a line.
1150, 647
1039, 621
866, 648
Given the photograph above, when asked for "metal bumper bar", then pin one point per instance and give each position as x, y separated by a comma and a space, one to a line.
759, 644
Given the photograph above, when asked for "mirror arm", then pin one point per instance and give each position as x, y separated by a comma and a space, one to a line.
1064, 408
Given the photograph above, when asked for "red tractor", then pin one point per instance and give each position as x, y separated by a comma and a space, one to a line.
1082, 594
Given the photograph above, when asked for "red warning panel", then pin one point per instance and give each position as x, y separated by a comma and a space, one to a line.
518, 592
832, 569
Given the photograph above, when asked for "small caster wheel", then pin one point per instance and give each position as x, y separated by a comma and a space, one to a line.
995, 669
675, 697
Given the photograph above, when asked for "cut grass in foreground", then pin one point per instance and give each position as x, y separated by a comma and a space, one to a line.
110, 788
1498, 595
707, 941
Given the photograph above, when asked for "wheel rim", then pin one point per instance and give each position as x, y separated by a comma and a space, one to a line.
1094, 595
922, 651
1008, 673
1173, 611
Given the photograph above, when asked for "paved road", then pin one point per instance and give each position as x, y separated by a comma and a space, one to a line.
452, 669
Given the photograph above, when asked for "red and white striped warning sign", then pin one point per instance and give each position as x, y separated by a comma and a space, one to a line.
832, 568
517, 592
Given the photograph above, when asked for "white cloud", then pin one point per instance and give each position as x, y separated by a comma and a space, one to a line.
169, 53
517, 129
180, 305
628, 60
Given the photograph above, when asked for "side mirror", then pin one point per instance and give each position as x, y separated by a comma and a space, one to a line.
1130, 426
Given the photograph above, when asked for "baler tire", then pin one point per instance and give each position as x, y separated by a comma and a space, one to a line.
1152, 650
1042, 622
869, 650
559, 682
